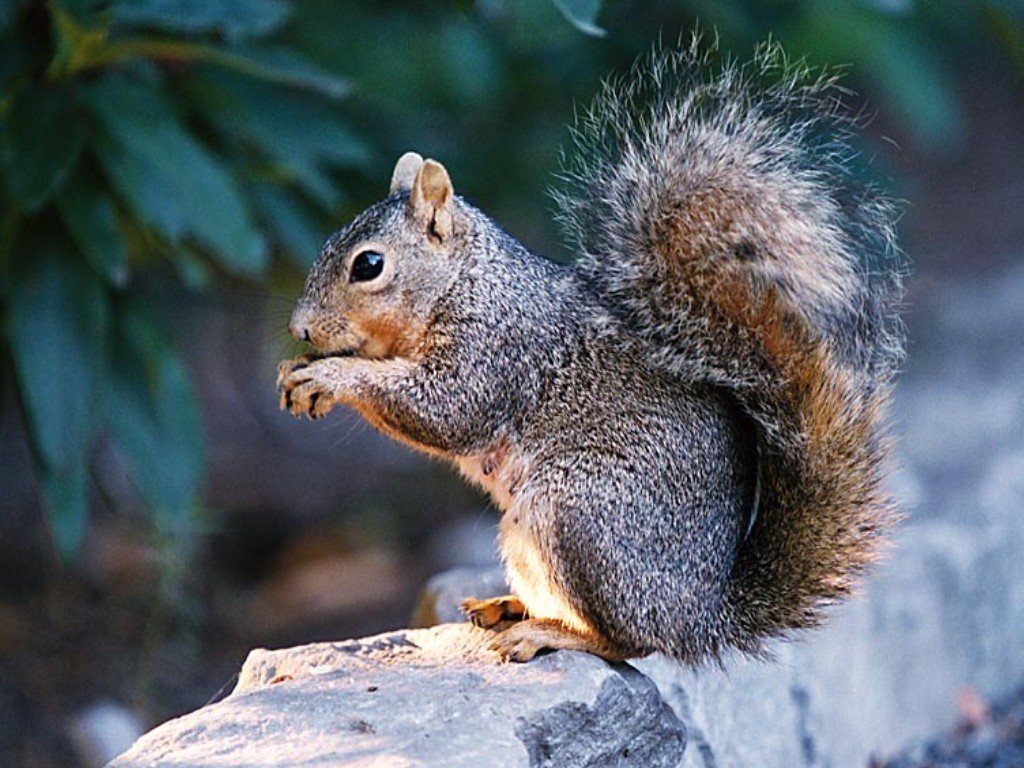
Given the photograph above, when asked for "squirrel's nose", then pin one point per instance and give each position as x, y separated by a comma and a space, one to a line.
298, 325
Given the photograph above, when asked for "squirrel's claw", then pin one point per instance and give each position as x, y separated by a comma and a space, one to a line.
286, 367
522, 641
309, 399
516, 646
302, 392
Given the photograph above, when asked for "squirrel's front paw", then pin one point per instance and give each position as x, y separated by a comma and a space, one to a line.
305, 387
287, 367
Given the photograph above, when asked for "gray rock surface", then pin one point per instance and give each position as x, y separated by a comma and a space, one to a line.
750, 713
426, 697
439, 602
946, 611
943, 614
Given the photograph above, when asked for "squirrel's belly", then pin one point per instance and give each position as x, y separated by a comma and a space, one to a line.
528, 568
502, 472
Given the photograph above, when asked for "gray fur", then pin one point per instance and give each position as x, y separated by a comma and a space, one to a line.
762, 152
620, 411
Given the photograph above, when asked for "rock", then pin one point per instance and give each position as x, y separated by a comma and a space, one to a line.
422, 697
751, 713
943, 613
434, 696
989, 737
439, 601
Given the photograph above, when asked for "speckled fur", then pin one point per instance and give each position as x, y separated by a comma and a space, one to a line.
728, 327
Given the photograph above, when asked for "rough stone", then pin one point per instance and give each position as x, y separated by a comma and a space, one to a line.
439, 601
942, 614
421, 697
992, 736
749, 713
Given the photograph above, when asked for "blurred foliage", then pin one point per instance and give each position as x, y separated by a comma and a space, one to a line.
138, 134
203, 144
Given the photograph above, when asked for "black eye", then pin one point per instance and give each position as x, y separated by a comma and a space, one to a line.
366, 266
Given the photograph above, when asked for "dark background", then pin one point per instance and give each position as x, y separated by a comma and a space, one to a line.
168, 172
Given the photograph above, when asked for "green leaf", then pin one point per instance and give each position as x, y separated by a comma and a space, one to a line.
82, 8
193, 272
892, 52
90, 217
151, 411
66, 498
20, 50
297, 133
8, 10
449, 61
42, 138
57, 332
234, 19
75, 45
84, 49
582, 14
168, 178
292, 224
286, 124
1007, 29
285, 67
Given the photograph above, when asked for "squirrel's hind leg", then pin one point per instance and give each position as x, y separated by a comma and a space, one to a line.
522, 641
489, 613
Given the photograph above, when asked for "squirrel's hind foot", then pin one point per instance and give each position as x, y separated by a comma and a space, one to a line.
488, 614
522, 641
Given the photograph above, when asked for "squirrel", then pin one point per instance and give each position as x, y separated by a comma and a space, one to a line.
685, 429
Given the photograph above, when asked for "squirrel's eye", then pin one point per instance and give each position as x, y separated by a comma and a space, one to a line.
366, 266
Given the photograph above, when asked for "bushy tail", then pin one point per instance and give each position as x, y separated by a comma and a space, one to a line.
715, 211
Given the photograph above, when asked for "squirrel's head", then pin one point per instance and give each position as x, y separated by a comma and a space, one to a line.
373, 289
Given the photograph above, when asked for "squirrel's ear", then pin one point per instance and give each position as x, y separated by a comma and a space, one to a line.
432, 200
405, 171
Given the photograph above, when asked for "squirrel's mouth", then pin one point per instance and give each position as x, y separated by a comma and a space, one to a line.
320, 354
366, 346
